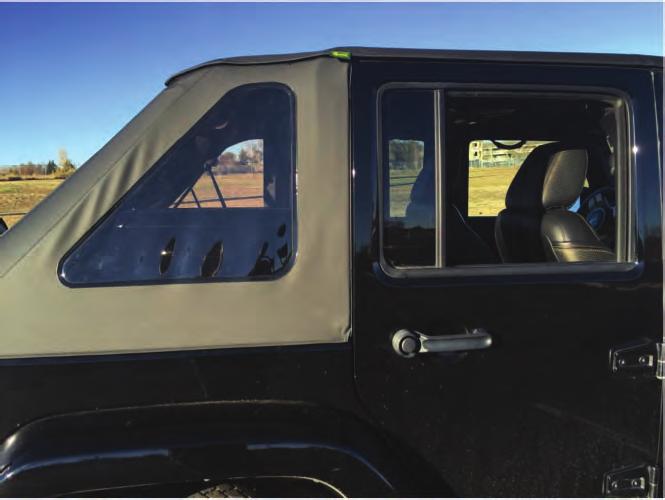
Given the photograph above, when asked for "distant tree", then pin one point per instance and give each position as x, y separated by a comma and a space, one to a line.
257, 154
50, 168
64, 163
63, 157
225, 162
28, 169
243, 156
405, 154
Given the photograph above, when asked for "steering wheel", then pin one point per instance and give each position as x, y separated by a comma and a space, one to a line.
501, 145
599, 210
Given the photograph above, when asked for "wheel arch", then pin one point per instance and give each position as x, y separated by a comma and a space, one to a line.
208, 443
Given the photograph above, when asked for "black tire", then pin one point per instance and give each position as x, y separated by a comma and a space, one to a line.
224, 490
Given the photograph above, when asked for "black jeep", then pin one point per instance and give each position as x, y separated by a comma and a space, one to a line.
360, 272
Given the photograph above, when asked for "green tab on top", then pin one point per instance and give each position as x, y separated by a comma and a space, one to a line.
340, 54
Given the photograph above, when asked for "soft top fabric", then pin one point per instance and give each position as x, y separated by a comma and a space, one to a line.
309, 304
442, 54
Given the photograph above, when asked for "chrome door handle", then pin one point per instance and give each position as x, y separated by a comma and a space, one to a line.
408, 343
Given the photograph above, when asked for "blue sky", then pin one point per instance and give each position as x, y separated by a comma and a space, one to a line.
71, 75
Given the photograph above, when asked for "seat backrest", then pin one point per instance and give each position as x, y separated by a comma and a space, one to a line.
566, 236
536, 225
517, 228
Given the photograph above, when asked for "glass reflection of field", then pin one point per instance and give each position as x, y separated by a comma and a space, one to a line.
239, 190
401, 182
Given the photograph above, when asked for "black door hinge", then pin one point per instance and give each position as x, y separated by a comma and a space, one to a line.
642, 358
635, 481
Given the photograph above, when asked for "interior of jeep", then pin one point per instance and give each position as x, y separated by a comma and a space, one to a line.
522, 178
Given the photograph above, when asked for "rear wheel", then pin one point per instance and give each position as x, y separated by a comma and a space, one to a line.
225, 490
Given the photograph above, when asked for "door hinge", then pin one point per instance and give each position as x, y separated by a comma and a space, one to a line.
641, 358
635, 481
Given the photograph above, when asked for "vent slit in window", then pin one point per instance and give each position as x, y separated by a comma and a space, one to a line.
213, 260
166, 256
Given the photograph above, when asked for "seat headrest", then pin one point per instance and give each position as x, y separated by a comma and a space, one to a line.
564, 179
552, 176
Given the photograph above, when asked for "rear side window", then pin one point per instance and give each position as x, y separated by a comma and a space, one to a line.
219, 205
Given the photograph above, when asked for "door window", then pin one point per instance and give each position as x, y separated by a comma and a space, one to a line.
473, 178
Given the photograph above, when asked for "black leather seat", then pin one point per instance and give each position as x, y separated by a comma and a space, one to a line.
536, 225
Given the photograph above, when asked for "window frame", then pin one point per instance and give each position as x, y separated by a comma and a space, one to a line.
288, 90
628, 261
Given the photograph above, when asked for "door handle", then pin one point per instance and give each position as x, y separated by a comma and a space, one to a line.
408, 343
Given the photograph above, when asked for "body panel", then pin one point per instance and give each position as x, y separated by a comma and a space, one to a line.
102, 423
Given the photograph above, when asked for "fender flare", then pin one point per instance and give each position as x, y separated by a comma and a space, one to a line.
209, 442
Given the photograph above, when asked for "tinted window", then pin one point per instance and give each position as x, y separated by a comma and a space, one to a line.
218, 205
409, 189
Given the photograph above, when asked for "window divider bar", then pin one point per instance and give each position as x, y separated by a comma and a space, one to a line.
439, 246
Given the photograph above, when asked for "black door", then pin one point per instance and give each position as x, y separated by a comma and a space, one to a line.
527, 405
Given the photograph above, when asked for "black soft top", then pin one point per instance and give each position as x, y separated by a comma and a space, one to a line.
634, 60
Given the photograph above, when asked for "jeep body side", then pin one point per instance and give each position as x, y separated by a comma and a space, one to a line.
350, 322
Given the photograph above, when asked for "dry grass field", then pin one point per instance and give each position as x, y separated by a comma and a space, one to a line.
239, 190
22, 196
487, 188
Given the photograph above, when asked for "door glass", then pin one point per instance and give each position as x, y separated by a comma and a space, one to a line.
409, 195
405, 164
